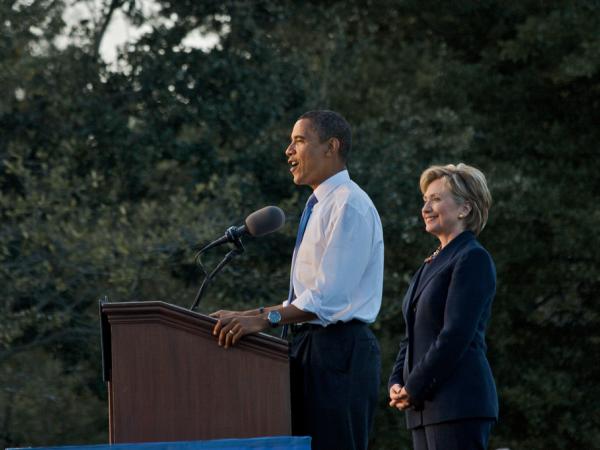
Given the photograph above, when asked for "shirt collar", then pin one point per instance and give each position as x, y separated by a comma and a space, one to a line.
331, 183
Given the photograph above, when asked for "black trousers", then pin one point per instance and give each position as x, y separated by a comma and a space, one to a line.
466, 434
335, 373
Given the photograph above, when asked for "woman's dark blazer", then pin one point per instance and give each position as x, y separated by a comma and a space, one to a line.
442, 360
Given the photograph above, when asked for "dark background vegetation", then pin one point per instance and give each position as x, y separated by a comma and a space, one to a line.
110, 176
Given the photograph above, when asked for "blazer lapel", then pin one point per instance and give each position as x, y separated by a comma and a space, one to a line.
408, 297
442, 260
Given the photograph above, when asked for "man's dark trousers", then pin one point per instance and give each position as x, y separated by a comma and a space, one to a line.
335, 373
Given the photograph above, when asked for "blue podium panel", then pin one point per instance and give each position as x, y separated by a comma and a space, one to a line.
267, 443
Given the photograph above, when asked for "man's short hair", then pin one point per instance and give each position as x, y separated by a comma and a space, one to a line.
329, 124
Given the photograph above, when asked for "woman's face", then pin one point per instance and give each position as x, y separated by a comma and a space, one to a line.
442, 215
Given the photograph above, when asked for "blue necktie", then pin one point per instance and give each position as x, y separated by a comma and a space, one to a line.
312, 200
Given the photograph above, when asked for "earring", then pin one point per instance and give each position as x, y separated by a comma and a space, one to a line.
460, 216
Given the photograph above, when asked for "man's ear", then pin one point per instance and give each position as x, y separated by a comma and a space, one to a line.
333, 146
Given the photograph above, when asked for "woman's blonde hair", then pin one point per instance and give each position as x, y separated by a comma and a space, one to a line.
467, 185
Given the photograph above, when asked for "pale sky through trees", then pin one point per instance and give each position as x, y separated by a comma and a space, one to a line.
120, 31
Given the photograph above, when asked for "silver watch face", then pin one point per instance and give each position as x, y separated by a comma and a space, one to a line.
274, 317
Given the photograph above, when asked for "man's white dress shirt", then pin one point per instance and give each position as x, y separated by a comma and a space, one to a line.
338, 270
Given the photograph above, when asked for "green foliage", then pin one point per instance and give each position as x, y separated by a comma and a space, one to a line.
44, 402
110, 177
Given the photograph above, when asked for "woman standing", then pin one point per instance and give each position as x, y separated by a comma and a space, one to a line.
441, 377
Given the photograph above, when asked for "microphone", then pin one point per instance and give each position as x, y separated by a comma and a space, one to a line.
259, 223
264, 221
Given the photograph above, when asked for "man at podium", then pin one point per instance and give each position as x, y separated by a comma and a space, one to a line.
336, 283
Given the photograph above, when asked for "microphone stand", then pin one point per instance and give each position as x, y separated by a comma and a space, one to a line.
238, 250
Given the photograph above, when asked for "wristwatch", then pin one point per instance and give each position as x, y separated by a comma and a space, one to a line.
274, 317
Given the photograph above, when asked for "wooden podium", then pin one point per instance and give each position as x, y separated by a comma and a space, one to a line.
168, 380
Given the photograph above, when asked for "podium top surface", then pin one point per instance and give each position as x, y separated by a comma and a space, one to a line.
115, 313
115, 308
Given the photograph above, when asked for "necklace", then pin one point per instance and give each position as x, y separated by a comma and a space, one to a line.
433, 255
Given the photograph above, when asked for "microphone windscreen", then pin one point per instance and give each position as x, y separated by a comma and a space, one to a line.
265, 221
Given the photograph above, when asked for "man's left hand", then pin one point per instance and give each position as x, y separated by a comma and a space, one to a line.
231, 329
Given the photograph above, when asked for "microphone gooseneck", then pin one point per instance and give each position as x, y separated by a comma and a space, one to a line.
261, 222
